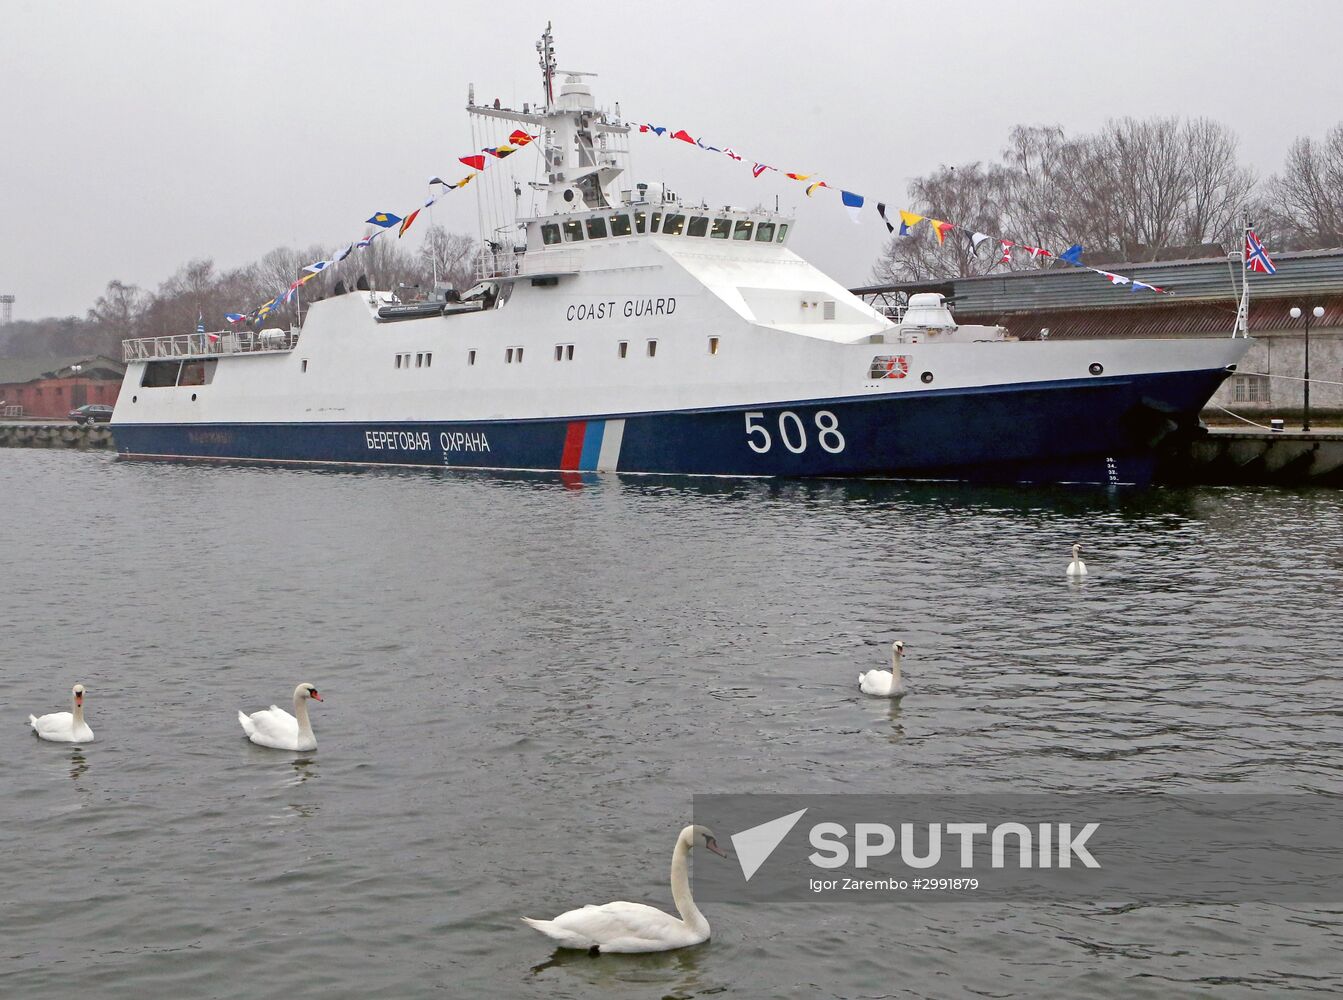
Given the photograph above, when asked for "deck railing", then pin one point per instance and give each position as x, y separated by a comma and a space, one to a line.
208, 345
508, 263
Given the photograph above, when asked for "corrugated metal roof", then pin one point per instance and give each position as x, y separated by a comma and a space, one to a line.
1172, 319
1311, 272
18, 370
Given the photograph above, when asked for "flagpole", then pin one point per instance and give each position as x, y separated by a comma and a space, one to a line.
1243, 311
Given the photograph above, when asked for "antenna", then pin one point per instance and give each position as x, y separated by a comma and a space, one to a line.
546, 48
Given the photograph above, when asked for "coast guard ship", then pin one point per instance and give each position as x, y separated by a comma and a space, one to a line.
629, 331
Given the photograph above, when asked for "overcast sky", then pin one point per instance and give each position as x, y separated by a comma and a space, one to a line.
140, 135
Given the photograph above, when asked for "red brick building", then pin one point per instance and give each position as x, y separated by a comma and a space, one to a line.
49, 388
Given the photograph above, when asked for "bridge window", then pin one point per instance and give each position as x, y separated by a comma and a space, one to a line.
620, 225
596, 228
550, 234
653, 221
675, 224
573, 231
743, 230
783, 231
699, 225
640, 222
764, 233
721, 229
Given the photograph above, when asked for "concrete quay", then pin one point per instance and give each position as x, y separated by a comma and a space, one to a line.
31, 434
1228, 456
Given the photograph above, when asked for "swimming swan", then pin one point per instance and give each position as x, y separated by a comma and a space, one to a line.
277, 729
635, 927
883, 683
65, 727
1077, 567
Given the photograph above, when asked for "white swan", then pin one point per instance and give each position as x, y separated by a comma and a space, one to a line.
1077, 567
277, 729
883, 683
635, 927
65, 727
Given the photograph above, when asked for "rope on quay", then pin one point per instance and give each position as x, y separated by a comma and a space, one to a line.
1239, 417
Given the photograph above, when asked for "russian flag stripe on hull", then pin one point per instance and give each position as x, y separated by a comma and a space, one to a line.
609, 457
592, 445
573, 446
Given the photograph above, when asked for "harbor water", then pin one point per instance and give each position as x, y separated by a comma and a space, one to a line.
526, 680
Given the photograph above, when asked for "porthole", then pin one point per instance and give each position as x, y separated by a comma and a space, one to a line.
1096, 368
926, 377
193, 397
135, 399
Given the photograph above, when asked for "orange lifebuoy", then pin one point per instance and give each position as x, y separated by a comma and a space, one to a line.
897, 366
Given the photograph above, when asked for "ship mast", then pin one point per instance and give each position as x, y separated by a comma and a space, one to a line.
580, 167
546, 48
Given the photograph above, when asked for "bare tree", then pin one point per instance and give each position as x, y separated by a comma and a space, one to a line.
450, 256
1134, 191
1220, 189
969, 194
1308, 195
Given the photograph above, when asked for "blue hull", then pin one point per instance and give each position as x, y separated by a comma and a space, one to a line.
1093, 431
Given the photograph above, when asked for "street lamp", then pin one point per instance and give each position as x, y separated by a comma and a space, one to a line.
1318, 313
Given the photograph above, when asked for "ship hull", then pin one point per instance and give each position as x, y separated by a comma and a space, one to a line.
1100, 430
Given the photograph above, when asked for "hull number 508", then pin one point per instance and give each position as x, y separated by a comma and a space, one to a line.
792, 432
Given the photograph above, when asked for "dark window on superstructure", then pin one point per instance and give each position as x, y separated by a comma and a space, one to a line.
699, 225
573, 231
743, 230
783, 231
713, 345
568, 352
158, 374
623, 348
550, 233
508, 355
305, 365
471, 356
519, 355
722, 228
596, 229
674, 225
620, 225
559, 352
652, 348
419, 360
640, 222
428, 358
764, 233
654, 221
398, 361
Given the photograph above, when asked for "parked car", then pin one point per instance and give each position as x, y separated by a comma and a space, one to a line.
92, 413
